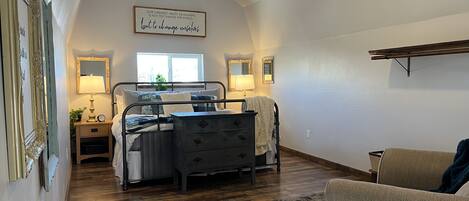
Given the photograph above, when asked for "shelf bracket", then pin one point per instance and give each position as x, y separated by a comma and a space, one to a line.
407, 69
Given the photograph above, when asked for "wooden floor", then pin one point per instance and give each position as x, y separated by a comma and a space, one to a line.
299, 177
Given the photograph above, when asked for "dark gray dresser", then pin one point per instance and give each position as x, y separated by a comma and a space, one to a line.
211, 141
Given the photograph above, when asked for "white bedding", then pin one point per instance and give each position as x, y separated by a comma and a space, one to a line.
133, 157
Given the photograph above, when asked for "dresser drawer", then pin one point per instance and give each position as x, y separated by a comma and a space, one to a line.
234, 123
201, 142
220, 158
94, 131
236, 138
201, 125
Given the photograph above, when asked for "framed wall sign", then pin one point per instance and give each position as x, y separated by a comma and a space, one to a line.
148, 20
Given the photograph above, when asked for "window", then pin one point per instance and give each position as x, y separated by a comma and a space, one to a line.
173, 67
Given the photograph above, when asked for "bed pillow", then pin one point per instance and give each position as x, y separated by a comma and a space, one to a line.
168, 109
151, 97
120, 104
463, 191
131, 97
204, 107
210, 92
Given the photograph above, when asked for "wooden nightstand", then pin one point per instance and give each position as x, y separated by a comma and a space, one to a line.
92, 131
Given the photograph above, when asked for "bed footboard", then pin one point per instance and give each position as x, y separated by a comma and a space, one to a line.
156, 153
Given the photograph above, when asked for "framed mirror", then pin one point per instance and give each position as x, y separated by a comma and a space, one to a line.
23, 84
237, 67
268, 70
97, 66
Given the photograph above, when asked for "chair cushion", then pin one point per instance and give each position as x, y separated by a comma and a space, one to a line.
463, 191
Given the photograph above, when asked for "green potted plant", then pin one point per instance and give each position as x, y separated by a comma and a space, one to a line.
75, 116
159, 86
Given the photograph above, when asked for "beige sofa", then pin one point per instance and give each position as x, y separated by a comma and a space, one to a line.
404, 175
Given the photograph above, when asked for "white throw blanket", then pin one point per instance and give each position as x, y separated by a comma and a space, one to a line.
264, 106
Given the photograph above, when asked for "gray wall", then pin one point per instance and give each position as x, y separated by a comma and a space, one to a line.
325, 81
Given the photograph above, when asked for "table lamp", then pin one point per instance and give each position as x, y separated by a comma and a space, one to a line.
91, 85
244, 82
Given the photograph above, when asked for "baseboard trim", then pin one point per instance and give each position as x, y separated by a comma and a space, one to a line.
327, 163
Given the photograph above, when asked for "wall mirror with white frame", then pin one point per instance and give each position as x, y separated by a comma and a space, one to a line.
237, 67
96, 66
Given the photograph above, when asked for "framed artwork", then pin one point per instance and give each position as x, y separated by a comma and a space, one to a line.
268, 70
23, 82
148, 20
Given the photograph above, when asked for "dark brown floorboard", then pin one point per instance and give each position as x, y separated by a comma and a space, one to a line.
299, 177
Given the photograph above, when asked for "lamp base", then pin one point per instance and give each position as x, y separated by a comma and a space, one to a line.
91, 116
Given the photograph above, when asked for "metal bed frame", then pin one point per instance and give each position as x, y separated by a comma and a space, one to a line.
173, 85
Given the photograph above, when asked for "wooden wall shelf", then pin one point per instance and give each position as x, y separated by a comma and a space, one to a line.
453, 47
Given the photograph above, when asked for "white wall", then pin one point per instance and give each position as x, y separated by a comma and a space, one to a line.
107, 26
326, 82
29, 189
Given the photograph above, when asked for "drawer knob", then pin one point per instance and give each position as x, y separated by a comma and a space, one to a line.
241, 137
197, 159
242, 155
197, 141
94, 130
237, 122
203, 124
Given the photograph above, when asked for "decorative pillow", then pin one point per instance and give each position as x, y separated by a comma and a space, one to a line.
204, 107
131, 97
120, 104
168, 109
210, 92
463, 191
151, 109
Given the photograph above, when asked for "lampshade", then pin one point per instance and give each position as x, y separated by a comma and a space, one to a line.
91, 84
244, 82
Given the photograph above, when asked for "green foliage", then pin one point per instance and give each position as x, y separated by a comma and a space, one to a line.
160, 87
75, 116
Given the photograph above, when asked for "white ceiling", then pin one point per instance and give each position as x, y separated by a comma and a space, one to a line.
245, 3
65, 13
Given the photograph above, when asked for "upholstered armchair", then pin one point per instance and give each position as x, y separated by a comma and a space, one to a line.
403, 175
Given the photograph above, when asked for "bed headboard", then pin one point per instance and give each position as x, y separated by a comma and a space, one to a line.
171, 86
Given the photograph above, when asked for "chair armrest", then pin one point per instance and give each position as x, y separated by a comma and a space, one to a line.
346, 190
422, 170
